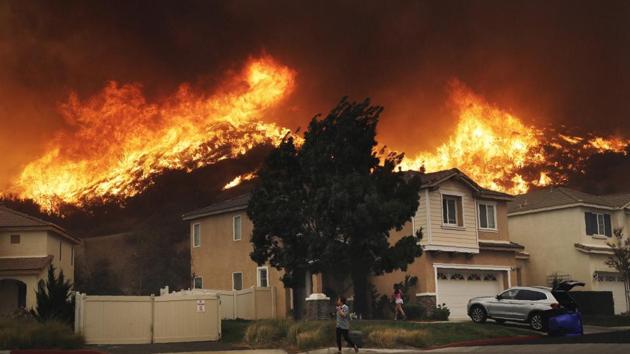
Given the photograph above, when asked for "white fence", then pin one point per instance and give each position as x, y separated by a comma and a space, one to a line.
148, 319
247, 304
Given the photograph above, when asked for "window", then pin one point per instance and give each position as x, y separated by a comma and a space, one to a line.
237, 281
263, 277
598, 224
489, 277
197, 283
530, 295
442, 276
457, 276
15, 239
196, 235
487, 216
474, 276
452, 210
508, 294
236, 229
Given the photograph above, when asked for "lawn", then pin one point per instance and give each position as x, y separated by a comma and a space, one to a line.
607, 321
304, 335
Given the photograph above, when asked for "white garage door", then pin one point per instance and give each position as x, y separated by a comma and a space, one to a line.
614, 284
455, 287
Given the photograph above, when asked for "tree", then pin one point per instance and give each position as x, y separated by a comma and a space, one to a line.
330, 205
620, 260
54, 300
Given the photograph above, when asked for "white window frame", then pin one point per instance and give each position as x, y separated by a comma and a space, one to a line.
194, 283
195, 245
455, 196
242, 285
258, 279
603, 224
240, 221
494, 206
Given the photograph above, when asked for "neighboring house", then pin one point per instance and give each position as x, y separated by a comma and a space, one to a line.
27, 246
566, 232
467, 250
220, 247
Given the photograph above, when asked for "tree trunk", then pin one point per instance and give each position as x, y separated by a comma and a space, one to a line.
359, 283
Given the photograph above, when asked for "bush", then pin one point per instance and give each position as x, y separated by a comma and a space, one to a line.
311, 334
415, 312
29, 334
266, 332
393, 337
441, 313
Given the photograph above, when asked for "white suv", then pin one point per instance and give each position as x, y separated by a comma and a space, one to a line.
523, 304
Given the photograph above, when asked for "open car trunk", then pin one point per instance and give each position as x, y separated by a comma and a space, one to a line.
565, 320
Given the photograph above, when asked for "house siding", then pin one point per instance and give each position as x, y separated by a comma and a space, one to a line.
465, 236
32, 244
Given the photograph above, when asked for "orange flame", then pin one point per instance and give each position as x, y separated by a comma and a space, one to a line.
239, 179
494, 147
119, 139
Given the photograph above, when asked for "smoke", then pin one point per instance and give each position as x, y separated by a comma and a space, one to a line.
559, 63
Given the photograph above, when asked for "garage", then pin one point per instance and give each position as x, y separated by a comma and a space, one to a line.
456, 286
605, 281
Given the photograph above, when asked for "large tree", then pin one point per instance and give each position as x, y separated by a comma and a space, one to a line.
620, 260
329, 206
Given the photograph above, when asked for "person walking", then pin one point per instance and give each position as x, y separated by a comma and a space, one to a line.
398, 303
343, 324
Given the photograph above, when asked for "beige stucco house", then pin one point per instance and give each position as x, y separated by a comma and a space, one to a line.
27, 246
566, 232
467, 248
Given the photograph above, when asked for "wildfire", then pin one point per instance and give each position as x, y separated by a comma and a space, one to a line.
239, 179
500, 152
118, 139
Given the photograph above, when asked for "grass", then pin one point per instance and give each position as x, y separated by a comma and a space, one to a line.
607, 321
306, 335
30, 334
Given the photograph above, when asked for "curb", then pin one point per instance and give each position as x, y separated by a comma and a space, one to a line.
488, 341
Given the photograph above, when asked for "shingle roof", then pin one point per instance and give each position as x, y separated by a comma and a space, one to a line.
432, 179
232, 204
24, 264
562, 196
14, 220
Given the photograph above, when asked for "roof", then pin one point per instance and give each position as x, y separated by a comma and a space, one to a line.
232, 204
13, 220
433, 179
24, 265
428, 180
556, 197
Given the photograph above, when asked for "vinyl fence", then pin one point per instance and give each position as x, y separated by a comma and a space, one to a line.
148, 319
247, 304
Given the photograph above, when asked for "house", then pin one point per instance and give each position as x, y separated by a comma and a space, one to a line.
567, 231
27, 246
220, 248
467, 248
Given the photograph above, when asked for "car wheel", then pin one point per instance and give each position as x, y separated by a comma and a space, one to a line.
478, 314
537, 321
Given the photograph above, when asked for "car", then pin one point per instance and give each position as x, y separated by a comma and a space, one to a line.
533, 305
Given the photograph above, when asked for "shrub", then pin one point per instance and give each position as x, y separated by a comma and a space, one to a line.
266, 332
441, 313
393, 337
311, 334
28, 334
415, 312
54, 301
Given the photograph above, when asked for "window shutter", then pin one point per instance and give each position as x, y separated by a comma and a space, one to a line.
591, 223
607, 225
460, 212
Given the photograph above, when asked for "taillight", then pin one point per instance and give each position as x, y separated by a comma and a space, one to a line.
555, 306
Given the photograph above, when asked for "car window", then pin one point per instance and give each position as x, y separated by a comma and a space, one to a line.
530, 295
509, 294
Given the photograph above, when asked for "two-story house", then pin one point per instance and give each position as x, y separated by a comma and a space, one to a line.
27, 246
467, 250
566, 232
